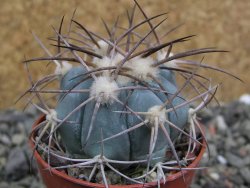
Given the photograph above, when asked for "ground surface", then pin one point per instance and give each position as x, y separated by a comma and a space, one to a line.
224, 24
227, 129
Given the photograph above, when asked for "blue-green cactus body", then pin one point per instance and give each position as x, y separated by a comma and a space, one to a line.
142, 101
130, 146
109, 123
178, 116
168, 75
70, 131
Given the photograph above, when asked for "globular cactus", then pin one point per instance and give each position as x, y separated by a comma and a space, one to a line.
121, 104
107, 97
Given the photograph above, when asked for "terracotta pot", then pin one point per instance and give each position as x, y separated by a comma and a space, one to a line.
58, 179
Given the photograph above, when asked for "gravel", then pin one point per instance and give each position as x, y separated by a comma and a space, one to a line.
228, 136
15, 155
16, 165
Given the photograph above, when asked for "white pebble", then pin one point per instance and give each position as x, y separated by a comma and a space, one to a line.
222, 159
214, 176
221, 124
245, 98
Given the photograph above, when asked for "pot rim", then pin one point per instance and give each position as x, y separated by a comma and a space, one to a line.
169, 178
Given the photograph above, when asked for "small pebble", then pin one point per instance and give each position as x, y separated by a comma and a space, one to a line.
4, 128
245, 172
4, 185
3, 150
17, 165
222, 159
215, 176
18, 139
83, 177
4, 139
234, 160
221, 124
245, 99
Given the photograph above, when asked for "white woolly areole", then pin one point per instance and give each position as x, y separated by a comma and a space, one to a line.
111, 61
52, 115
162, 55
108, 61
103, 48
116, 59
156, 112
63, 68
104, 89
142, 68
122, 80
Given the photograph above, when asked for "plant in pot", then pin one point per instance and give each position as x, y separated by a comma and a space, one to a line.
114, 112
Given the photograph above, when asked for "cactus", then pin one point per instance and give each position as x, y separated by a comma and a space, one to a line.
122, 104
100, 113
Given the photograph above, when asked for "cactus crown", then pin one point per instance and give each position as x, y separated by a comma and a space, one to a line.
120, 105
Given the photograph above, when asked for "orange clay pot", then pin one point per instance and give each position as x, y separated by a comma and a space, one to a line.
59, 179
